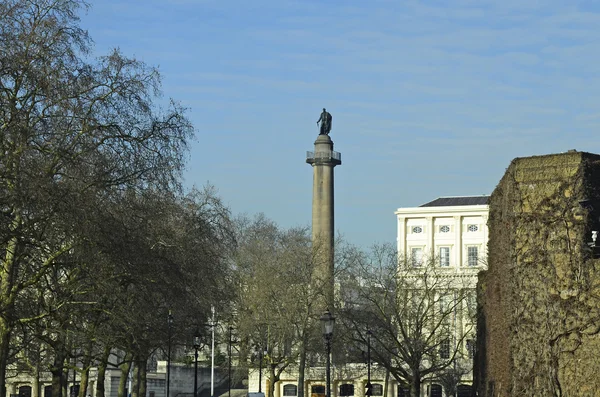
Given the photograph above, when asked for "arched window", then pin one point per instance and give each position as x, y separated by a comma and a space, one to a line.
347, 389
290, 390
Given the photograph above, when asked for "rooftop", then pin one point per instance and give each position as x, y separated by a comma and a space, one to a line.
455, 201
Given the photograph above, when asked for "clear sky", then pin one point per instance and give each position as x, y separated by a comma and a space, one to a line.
429, 98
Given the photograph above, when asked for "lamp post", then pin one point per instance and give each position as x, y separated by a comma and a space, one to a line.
261, 353
196, 347
169, 324
229, 366
328, 320
369, 386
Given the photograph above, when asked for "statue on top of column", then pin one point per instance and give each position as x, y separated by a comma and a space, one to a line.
325, 121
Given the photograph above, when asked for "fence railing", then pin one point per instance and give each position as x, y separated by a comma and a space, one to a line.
326, 155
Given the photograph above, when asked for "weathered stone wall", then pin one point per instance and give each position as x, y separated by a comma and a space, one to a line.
539, 299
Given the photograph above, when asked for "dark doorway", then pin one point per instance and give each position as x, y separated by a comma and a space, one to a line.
436, 391
25, 391
403, 391
464, 391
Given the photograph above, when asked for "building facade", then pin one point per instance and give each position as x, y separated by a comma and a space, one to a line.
453, 229
447, 239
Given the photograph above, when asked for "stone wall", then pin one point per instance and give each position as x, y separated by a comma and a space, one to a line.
539, 300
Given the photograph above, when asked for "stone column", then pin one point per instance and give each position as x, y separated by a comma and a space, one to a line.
323, 160
402, 237
430, 234
458, 241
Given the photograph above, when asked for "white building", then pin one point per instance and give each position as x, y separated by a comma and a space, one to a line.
451, 228
452, 232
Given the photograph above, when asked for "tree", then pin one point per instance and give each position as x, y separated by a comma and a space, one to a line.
417, 314
277, 304
73, 133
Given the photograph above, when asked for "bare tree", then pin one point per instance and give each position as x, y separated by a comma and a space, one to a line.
73, 132
417, 314
278, 303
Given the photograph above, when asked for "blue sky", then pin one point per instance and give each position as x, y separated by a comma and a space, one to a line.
429, 98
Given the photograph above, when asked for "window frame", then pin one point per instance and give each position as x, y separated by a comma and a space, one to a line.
470, 261
445, 349
417, 229
444, 261
288, 386
416, 260
346, 387
376, 389
470, 347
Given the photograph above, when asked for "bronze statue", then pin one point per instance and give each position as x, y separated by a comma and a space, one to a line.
325, 121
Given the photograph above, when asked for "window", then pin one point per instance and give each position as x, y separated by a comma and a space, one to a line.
472, 228
444, 256
347, 389
416, 256
318, 389
464, 391
417, 229
290, 390
470, 345
445, 229
445, 349
471, 301
446, 304
403, 391
376, 389
472, 255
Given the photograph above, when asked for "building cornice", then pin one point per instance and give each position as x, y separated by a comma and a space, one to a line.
466, 210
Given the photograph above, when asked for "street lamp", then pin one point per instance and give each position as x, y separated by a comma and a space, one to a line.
196, 347
369, 385
261, 353
229, 366
328, 320
169, 324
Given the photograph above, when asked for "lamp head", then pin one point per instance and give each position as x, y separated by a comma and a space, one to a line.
328, 320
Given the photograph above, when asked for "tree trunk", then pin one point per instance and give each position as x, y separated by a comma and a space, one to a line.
5, 331
35, 389
274, 379
58, 373
415, 386
102, 372
386, 382
125, 368
140, 378
301, 368
85, 370
135, 382
83, 383
7, 300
